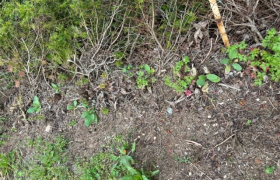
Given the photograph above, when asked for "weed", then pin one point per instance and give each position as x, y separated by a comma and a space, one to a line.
211, 77
73, 107
56, 88
145, 76
249, 122
186, 159
111, 166
234, 55
89, 115
82, 81
267, 59
73, 123
180, 70
105, 111
6, 163
269, 169
36, 106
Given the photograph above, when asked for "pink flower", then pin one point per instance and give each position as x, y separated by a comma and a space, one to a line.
188, 93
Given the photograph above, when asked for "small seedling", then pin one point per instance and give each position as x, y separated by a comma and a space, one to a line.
211, 77
36, 106
184, 80
73, 107
73, 123
234, 56
89, 115
269, 169
144, 76
56, 88
105, 111
249, 122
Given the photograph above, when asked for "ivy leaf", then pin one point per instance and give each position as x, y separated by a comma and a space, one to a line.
213, 77
237, 66
233, 53
225, 61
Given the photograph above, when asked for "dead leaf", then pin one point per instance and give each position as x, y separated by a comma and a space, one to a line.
258, 161
17, 83
21, 74
198, 34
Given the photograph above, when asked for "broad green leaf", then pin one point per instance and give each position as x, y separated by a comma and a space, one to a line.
133, 147
132, 177
32, 110
85, 114
233, 54
237, 66
54, 86
144, 177
75, 103
227, 70
200, 82
213, 77
89, 121
70, 107
147, 68
36, 101
154, 173
186, 59
125, 161
38, 110
225, 61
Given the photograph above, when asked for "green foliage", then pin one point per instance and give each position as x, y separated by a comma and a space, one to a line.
113, 167
267, 60
89, 115
36, 106
269, 169
249, 122
56, 87
145, 76
180, 70
211, 77
234, 55
74, 106
48, 161
105, 111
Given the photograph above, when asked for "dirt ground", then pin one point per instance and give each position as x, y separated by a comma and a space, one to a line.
206, 137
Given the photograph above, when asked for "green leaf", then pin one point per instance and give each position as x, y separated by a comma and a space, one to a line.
70, 107
132, 177
186, 59
228, 68
225, 61
36, 101
54, 86
125, 161
213, 77
38, 110
75, 103
237, 66
154, 173
201, 80
133, 147
147, 68
270, 169
32, 110
233, 53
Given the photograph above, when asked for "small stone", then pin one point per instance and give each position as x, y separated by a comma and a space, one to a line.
48, 128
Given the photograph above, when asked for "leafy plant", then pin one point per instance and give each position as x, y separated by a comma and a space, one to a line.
56, 88
6, 162
36, 106
89, 115
183, 80
269, 169
105, 111
235, 56
267, 60
111, 166
211, 77
73, 107
144, 76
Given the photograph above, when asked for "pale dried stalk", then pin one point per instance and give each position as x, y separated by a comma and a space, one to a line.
217, 15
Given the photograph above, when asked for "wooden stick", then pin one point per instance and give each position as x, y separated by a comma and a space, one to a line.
217, 15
